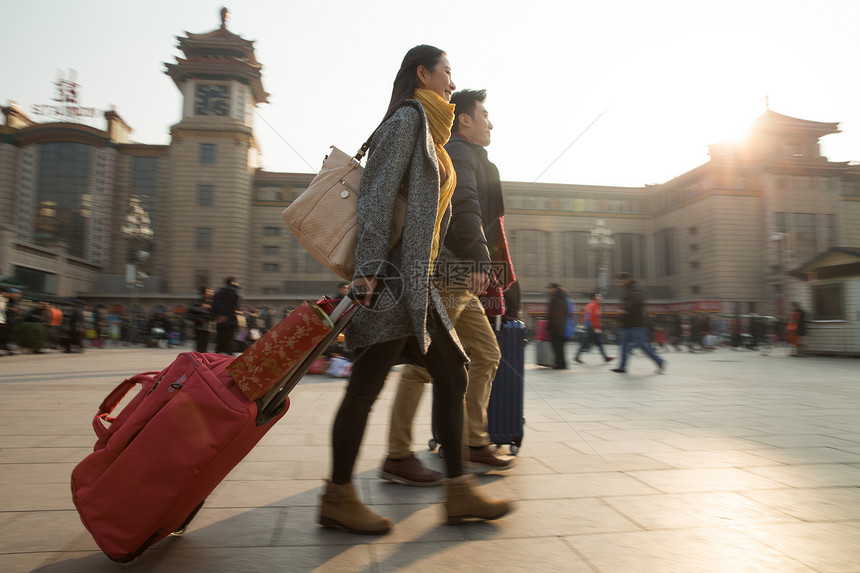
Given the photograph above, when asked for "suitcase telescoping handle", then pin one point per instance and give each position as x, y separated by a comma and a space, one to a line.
114, 398
269, 405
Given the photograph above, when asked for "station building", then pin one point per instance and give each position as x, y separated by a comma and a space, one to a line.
90, 213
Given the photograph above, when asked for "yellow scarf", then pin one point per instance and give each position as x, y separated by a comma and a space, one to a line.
440, 114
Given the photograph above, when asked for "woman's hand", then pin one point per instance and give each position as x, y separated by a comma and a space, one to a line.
368, 285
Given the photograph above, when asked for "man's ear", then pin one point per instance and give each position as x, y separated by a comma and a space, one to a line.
465, 120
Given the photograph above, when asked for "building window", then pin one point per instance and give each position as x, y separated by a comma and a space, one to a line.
828, 302
804, 236
300, 261
205, 195
271, 267
271, 249
203, 238
65, 201
207, 153
779, 222
830, 225
695, 289
272, 231
694, 265
694, 230
269, 194
629, 254
575, 257
201, 280
694, 247
529, 251
665, 250
36, 280
313, 266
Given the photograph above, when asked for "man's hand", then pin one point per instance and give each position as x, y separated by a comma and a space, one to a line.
477, 282
368, 284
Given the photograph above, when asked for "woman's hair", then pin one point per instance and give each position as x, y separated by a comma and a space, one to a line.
404, 82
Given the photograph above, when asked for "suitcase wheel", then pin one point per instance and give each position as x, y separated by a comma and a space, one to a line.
129, 564
432, 444
514, 449
182, 528
441, 452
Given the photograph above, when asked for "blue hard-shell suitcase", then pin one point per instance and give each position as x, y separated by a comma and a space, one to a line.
505, 419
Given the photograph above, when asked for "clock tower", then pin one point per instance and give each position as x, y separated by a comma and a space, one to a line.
205, 219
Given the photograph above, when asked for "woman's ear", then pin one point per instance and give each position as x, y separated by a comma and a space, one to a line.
421, 74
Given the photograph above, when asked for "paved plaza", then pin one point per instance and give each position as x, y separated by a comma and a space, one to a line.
729, 462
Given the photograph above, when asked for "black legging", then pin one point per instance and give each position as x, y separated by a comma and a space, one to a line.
558, 349
444, 363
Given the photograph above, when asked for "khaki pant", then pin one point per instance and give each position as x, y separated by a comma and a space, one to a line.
477, 336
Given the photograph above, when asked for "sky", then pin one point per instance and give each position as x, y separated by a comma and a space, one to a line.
616, 92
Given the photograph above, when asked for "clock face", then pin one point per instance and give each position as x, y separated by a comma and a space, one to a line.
211, 100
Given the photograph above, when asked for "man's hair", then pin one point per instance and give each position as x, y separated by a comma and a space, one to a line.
465, 101
229, 280
594, 295
624, 276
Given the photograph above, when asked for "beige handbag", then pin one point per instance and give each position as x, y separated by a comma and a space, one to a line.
324, 218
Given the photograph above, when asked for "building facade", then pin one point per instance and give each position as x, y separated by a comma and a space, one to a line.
89, 213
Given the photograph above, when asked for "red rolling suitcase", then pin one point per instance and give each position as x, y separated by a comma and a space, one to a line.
157, 461
167, 450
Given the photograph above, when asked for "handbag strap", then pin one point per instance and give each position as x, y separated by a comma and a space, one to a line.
362, 151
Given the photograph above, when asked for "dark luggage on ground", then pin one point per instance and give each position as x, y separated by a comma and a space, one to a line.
505, 412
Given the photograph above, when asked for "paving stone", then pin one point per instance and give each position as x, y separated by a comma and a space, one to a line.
731, 462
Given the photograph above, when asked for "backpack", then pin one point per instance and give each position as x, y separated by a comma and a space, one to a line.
570, 325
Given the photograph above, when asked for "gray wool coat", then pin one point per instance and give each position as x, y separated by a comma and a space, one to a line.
402, 152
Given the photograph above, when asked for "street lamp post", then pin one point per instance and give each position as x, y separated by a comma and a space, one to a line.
138, 231
601, 243
782, 239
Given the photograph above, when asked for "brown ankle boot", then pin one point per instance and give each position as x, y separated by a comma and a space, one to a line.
463, 502
341, 509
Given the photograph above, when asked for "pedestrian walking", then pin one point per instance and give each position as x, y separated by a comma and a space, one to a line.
557, 315
200, 315
225, 303
633, 327
593, 327
796, 329
470, 245
407, 321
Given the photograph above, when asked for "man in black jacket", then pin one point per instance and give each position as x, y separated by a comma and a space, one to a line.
200, 314
224, 307
634, 330
464, 267
556, 323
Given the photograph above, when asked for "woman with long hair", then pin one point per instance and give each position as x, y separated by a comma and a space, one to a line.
404, 319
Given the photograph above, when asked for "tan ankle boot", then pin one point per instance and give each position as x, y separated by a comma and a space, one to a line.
463, 502
341, 509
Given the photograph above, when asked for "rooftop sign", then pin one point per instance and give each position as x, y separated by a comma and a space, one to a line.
67, 101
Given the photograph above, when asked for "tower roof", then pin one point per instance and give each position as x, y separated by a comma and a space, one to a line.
771, 121
219, 54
